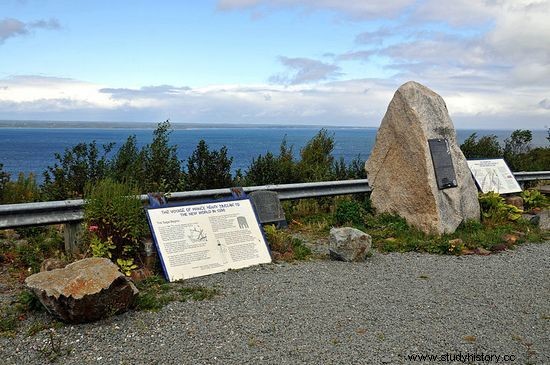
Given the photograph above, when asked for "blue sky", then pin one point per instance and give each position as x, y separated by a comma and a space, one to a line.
290, 62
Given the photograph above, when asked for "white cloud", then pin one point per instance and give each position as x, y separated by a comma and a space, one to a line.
10, 27
352, 9
490, 60
305, 70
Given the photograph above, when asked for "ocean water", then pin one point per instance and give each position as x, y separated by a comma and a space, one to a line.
32, 149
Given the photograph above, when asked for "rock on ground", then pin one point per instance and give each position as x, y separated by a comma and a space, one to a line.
84, 291
349, 244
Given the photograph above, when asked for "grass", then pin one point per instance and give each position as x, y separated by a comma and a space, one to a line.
155, 293
12, 315
391, 233
284, 246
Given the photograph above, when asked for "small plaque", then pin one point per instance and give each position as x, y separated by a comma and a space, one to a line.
268, 207
201, 239
494, 175
443, 163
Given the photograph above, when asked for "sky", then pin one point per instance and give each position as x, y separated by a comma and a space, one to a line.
300, 62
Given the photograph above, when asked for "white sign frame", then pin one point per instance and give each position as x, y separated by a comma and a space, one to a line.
197, 239
494, 175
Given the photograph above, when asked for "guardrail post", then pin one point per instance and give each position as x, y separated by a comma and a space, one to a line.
71, 234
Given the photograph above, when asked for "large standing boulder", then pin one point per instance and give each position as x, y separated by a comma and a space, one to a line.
349, 244
84, 291
400, 169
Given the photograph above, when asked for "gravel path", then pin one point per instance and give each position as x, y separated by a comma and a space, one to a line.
326, 312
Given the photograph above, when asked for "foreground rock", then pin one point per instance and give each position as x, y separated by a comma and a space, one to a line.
84, 291
349, 244
400, 169
544, 222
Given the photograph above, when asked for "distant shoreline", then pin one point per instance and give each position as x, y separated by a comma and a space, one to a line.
147, 125
28, 124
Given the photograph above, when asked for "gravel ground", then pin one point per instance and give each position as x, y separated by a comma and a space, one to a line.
325, 312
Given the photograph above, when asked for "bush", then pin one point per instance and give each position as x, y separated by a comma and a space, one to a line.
534, 199
271, 169
208, 169
162, 171
349, 212
4, 178
485, 147
316, 160
495, 210
23, 190
355, 169
78, 166
115, 218
284, 246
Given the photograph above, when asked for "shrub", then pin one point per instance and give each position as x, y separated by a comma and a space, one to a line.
349, 212
129, 163
270, 169
78, 166
115, 219
284, 246
4, 178
485, 147
534, 199
495, 210
208, 169
23, 190
162, 170
316, 160
354, 170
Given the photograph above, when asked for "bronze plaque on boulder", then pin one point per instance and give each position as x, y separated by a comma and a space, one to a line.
268, 207
443, 164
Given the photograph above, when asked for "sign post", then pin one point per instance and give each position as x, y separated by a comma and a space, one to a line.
201, 239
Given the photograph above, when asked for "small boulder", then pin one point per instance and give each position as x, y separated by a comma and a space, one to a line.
84, 291
349, 244
482, 251
544, 220
516, 201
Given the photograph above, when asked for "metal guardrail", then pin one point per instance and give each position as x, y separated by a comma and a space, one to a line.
56, 212
71, 212
67, 211
531, 175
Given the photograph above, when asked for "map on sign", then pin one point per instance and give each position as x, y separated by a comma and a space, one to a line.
201, 239
494, 175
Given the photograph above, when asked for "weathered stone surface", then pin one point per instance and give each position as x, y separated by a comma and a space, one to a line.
84, 291
52, 264
400, 169
516, 201
544, 222
349, 244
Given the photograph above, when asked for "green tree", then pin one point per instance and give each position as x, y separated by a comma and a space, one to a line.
23, 190
4, 179
208, 169
354, 170
485, 147
316, 160
128, 163
79, 165
517, 148
270, 169
163, 168
519, 142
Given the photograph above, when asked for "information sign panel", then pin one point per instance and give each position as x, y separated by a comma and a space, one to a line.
494, 175
201, 239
